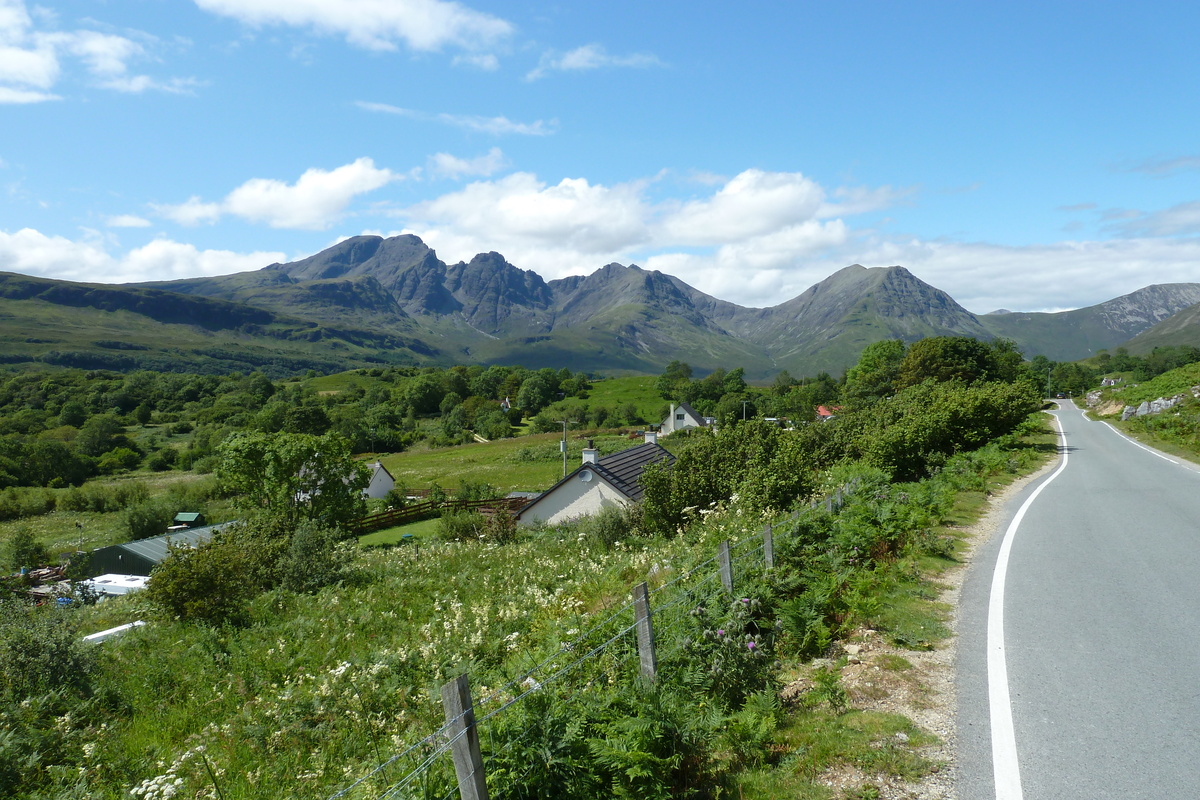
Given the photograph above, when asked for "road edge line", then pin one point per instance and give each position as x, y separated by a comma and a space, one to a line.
1006, 769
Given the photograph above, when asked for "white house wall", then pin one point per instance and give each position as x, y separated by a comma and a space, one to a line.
381, 483
573, 499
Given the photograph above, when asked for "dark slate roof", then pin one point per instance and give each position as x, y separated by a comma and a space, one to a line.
154, 550
621, 470
624, 469
689, 410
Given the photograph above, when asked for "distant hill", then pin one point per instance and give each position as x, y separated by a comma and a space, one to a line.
1182, 328
98, 326
621, 318
369, 300
1072, 335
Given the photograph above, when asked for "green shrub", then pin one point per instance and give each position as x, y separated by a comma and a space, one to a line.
17, 503
161, 460
148, 519
500, 528
608, 526
208, 584
458, 526
40, 652
315, 558
25, 550
121, 459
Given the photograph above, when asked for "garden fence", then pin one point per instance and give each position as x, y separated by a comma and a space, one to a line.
451, 761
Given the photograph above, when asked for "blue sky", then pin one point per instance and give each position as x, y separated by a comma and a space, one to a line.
1030, 156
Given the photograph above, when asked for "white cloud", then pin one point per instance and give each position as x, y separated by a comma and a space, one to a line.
494, 126
445, 165
127, 221
31, 252
423, 25
487, 62
761, 238
314, 202
192, 212
10, 96
1165, 167
526, 219
751, 204
164, 259
1180, 219
31, 60
589, 57
862, 200
984, 277
755, 221
36, 68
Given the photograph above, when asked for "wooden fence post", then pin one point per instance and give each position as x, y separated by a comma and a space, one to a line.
460, 717
726, 566
768, 548
645, 632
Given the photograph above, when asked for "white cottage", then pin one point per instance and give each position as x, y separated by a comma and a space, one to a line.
596, 484
381, 483
683, 416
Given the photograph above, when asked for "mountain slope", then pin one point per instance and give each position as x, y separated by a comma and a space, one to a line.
1072, 335
370, 299
97, 326
1182, 328
829, 324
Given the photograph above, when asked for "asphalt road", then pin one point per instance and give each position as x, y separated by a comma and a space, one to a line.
1100, 631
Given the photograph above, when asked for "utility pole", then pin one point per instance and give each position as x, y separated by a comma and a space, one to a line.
563, 446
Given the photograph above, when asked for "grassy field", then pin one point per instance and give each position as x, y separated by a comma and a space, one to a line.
423, 531
319, 689
68, 531
638, 390
526, 463
1169, 384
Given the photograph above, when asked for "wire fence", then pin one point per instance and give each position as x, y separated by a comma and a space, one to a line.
433, 768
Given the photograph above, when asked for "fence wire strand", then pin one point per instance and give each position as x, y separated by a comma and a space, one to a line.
666, 617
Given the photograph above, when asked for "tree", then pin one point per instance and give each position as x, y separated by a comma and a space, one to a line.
536, 393
143, 413
424, 394
874, 376
783, 383
72, 413
670, 384
493, 425
294, 477
26, 550
735, 381
99, 434
306, 419
947, 358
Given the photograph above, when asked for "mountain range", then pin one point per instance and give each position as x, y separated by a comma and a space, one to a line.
370, 300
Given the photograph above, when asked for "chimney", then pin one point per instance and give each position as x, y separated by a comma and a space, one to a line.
590, 453
651, 437
670, 426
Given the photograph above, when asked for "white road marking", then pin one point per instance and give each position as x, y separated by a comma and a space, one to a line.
1136, 443
1005, 766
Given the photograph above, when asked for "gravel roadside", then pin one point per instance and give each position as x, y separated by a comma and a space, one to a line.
925, 693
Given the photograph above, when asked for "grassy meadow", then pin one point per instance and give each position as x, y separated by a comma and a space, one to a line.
334, 693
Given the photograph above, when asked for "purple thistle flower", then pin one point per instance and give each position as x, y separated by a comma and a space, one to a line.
749, 645
720, 631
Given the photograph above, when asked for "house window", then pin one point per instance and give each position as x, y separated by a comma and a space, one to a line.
679, 417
